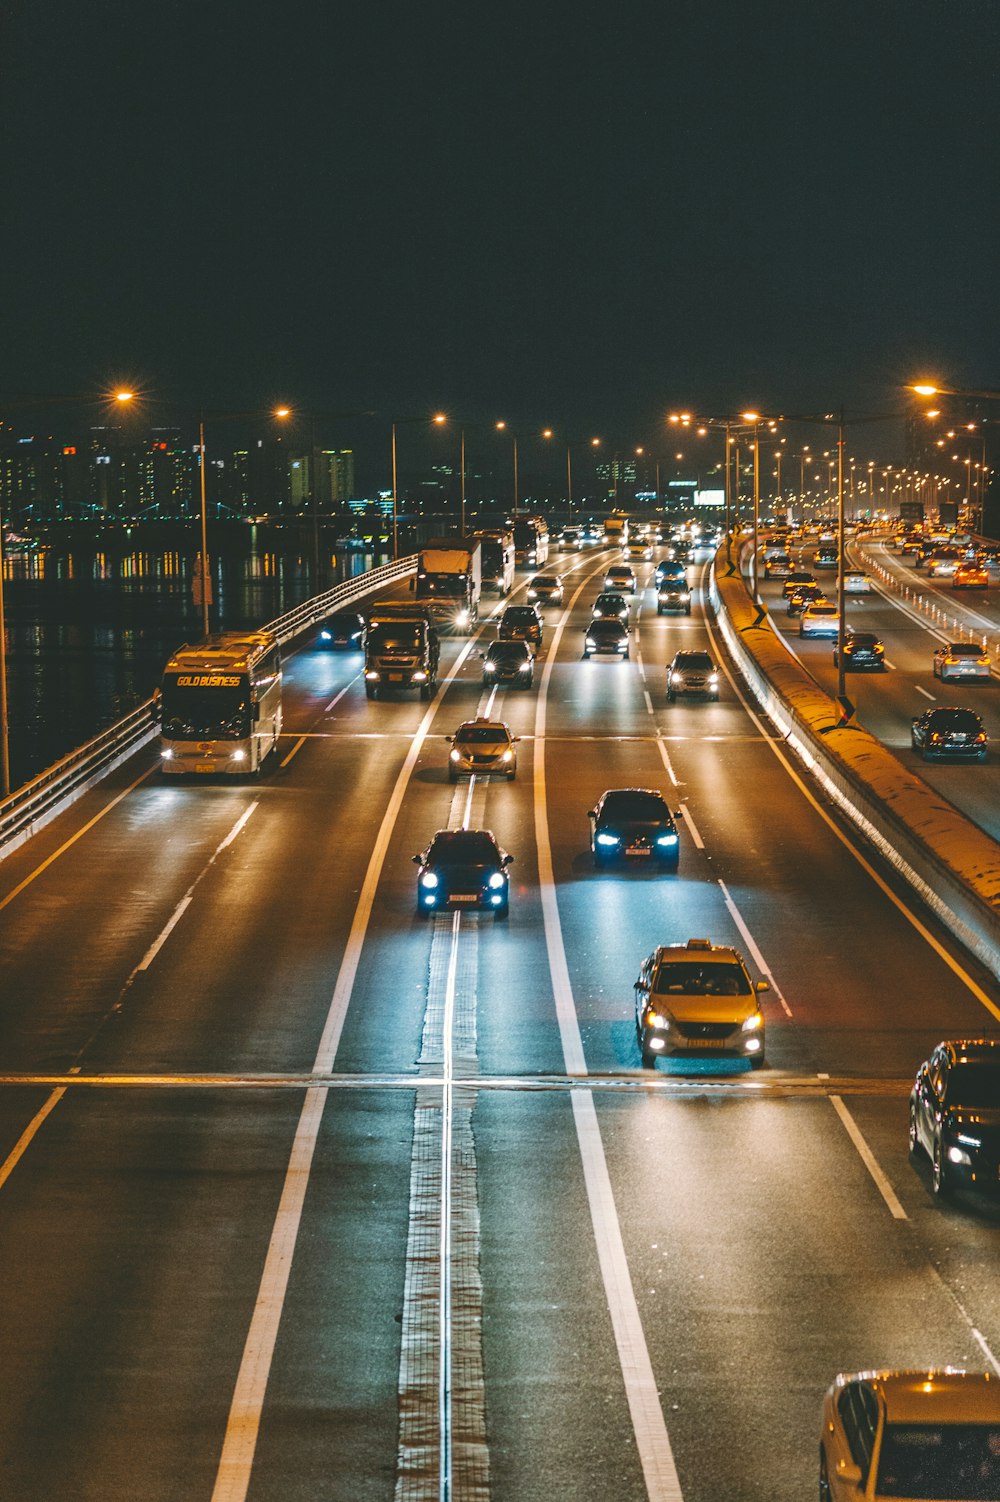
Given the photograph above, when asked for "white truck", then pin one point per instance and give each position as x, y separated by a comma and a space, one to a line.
450, 580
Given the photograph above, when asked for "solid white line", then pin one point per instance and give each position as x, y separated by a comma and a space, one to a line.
868, 1159
778, 751
243, 1426
337, 697
649, 702
751, 944
932, 697
699, 842
666, 761
652, 1440
984, 1347
444, 1248
185, 901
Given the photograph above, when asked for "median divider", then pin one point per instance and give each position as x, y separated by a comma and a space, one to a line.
950, 862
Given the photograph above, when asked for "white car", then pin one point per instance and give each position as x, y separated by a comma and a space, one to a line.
910, 1434
961, 660
857, 583
621, 578
819, 620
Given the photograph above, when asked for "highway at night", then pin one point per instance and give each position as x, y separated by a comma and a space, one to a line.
242, 1076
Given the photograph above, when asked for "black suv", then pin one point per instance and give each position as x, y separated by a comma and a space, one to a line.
862, 649
692, 673
955, 1114
949, 731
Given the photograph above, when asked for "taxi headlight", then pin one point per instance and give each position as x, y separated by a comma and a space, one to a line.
656, 1019
753, 1023
429, 879
456, 755
590, 641
496, 881
507, 756
167, 754
713, 679
677, 677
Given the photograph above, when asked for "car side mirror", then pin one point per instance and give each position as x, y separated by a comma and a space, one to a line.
591, 813
641, 985
761, 985
508, 860
417, 860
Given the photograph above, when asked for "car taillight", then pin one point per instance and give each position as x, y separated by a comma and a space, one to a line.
981, 736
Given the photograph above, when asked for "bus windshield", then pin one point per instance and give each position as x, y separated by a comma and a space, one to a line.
205, 711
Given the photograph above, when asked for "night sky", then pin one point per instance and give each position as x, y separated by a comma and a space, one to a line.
582, 216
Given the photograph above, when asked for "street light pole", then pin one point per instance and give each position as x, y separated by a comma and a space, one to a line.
395, 512
841, 598
205, 575
4, 729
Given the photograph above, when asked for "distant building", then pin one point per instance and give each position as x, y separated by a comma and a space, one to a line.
324, 478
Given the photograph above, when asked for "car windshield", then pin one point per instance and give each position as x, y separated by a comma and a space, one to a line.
940, 1462
479, 735
404, 637
462, 847
822, 610
693, 662
344, 622
862, 639
975, 1084
520, 615
507, 652
545, 581
693, 978
635, 804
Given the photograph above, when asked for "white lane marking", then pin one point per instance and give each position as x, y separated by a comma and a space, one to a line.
297, 747
642, 672
984, 1347
243, 1425
890, 665
337, 697
867, 1157
664, 757
776, 748
649, 702
652, 1439
49, 859
444, 1242
754, 949
699, 842
23, 1142
185, 901
932, 697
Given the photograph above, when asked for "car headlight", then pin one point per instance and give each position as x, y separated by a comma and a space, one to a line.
429, 879
677, 678
456, 755
959, 1155
590, 641
507, 756
656, 1019
239, 755
524, 667
167, 754
532, 594
325, 636
667, 839
496, 881
462, 618
489, 667
713, 679
608, 839
419, 676
753, 1024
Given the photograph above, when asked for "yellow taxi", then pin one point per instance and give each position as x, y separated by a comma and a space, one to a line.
970, 576
697, 1000
911, 1435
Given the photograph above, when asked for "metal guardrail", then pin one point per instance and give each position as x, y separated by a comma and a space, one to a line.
29, 808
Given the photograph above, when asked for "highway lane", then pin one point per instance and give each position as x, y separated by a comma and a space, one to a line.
761, 1253
886, 703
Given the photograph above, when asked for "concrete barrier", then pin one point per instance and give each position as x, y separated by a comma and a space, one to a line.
949, 861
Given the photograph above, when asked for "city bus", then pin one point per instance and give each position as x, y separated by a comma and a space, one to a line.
220, 705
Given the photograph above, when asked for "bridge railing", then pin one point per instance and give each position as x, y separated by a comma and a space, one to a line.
31, 807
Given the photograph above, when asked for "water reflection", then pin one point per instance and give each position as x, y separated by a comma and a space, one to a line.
89, 629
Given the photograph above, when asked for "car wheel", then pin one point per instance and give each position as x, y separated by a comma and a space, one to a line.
940, 1178
425, 691
688, 610
914, 1140
658, 610
371, 690
647, 1056
501, 914
511, 775
452, 776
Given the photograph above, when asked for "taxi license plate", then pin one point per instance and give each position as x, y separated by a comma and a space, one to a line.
463, 897
708, 1043
204, 766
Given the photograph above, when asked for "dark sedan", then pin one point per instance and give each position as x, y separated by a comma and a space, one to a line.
521, 623
862, 649
633, 824
609, 602
606, 634
344, 630
509, 662
463, 868
955, 1114
949, 731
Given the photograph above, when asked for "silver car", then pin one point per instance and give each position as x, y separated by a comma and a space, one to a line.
961, 660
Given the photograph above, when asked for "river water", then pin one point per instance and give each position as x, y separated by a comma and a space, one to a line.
89, 627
